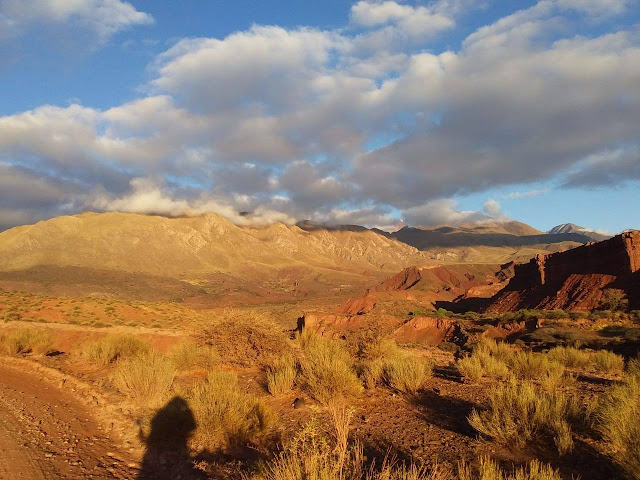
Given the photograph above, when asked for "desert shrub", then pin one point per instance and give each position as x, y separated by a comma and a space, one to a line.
499, 350
315, 454
617, 418
244, 337
487, 360
490, 470
281, 375
26, 340
326, 368
536, 366
570, 357
406, 373
517, 413
607, 362
371, 372
108, 349
613, 299
187, 355
225, 416
146, 377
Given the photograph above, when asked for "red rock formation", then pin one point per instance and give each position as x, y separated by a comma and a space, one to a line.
329, 325
404, 280
425, 330
358, 306
575, 279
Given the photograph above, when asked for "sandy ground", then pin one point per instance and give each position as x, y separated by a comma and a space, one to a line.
45, 433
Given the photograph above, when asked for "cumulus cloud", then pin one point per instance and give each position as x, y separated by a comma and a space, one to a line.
441, 212
100, 17
343, 125
417, 21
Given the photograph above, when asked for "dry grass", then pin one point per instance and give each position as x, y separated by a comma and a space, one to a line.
326, 369
371, 372
187, 355
490, 470
406, 373
245, 338
570, 357
146, 377
607, 362
281, 375
480, 365
27, 340
107, 350
225, 416
517, 413
617, 418
314, 454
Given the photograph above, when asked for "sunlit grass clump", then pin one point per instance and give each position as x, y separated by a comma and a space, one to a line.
281, 375
108, 349
225, 416
187, 355
617, 418
26, 340
147, 377
326, 369
518, 413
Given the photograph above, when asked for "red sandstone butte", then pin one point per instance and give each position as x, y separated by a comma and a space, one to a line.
575, 279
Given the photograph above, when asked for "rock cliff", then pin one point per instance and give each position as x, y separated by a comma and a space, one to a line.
577, 279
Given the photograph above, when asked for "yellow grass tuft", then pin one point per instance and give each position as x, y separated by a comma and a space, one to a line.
27, 340
326, 369
617, 418
146, 377
517, 413
187, 355
226, 416
107, 350
281, 375
406, 373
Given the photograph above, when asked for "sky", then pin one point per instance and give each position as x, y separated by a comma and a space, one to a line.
378, 113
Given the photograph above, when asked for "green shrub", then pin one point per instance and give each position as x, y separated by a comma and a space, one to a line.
146, 377
224, 415
517, 413
107, 350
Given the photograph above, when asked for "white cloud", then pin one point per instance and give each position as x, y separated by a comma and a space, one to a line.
526, 194
281, 122
100, 17
417, 21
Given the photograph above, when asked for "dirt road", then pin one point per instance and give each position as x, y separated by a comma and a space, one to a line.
47, 434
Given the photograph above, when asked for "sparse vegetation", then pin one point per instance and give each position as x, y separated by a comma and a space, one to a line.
326, 369
27, 340
146, 377
244, 337
517, 413
406, 373
187, 355
281, 375
617, 418
225, 416
108, 349
607, 362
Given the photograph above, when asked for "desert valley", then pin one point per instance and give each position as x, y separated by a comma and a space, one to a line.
330, 240
140, 346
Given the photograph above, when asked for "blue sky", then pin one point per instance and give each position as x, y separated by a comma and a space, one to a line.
369, 112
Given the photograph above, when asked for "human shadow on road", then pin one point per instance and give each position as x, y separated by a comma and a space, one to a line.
167, 445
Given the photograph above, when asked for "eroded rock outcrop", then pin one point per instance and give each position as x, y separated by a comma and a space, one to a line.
425, 330
575, 279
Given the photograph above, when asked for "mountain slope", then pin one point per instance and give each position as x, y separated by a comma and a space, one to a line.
191, 247
573, 228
